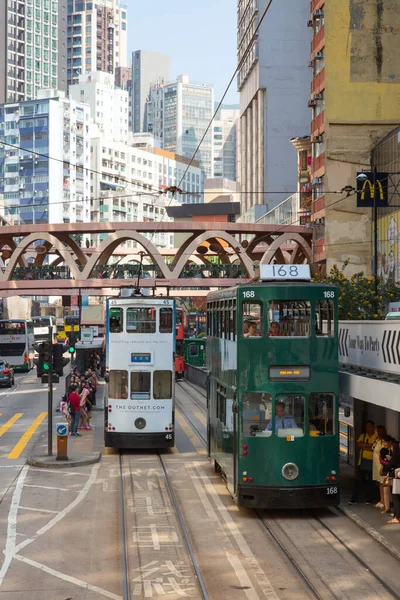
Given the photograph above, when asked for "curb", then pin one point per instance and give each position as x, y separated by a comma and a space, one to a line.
365, 526
76, 460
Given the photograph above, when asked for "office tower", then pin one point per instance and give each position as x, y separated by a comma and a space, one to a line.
225, 140
147, 68
178, 116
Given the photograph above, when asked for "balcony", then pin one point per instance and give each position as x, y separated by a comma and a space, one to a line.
318, 83
318, 41
318, 166
318, 124
315, 4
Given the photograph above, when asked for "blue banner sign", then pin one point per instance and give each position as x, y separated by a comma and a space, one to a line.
141, 357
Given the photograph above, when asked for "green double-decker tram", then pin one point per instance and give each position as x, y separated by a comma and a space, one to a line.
273, 389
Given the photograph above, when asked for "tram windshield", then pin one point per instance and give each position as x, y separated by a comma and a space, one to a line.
118, 384
289, 415
116, 320
321, 414
256, 413
141, 320
289, 318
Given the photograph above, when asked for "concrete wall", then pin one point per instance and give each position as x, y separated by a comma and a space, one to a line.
362, 99
17, 308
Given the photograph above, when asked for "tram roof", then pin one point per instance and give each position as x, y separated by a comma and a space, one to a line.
228, 293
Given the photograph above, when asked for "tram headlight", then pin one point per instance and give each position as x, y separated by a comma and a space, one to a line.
290, 471
140, 423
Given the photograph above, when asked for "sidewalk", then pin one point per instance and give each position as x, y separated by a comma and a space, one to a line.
367, 517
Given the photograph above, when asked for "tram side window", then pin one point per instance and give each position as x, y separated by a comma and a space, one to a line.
289, 318
118, 385
321, 414
162, 385
324, 318
165, 320
141, 320
140, 385
193, 350
251, 319
256, 414
289, 415
221, 403
116, 320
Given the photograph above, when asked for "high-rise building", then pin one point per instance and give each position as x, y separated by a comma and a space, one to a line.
32, 51
44, 174
147, 68
354, 99
96, 37
179, 114
225, 140
274, 85
108, 104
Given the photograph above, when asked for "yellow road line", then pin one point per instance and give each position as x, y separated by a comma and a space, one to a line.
190, 433
4, 428
199, 416
20, 446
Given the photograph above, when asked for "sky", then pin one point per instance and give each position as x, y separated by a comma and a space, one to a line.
200, 38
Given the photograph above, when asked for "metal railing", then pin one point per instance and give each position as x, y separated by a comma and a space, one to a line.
197, 375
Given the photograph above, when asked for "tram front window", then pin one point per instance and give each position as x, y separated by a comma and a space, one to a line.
289, 415
321, 414
324, 318
141, 320
140, 385
118, 385
166, 320
251, 319
116, 321
256, 414
289, 318
162, 385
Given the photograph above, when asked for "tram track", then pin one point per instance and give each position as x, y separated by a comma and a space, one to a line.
201, 405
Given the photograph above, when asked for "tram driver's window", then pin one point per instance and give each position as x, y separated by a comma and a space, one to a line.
256, 414
289, 318
251, 319
166, 320
289, 415
193, 350
324, 318
116, 320
162, 385
321, 414
140, 385
141, 320
118, 385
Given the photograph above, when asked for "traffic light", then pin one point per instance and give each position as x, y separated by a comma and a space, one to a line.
59, 362
45, 351
72, 343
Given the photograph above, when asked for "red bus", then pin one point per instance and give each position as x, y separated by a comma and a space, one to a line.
179, 336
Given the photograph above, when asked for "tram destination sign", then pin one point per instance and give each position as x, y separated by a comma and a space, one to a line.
141, 357
301, 373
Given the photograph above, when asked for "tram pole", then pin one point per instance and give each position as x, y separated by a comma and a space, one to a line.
50, 401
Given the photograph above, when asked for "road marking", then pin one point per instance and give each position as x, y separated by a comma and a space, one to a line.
20, 446
200, 417
4, 428
242, 576
190, 433
69, 474
44, 510
47, 487
64, 577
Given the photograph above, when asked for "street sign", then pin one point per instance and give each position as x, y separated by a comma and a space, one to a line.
87, 335
55, 378
62, 429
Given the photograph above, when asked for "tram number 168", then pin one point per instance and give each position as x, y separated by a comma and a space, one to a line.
331, 491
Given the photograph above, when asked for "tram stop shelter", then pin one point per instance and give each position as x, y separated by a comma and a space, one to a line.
85, 348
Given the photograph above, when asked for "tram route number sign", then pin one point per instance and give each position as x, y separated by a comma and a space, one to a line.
141, 357
301, 373
284, 272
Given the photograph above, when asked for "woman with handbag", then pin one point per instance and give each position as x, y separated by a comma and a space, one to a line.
393, 469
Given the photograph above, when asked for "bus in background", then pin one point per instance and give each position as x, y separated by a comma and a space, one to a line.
16, 343
139, 406
71, 324
43, 327
196, 324
179, 349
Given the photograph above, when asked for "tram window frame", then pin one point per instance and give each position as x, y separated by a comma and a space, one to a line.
160, 374
282, 307
221, 403
194, 347
142, 324
325, 327
120, 327
145, 392
113, 381
253, 319
292, 431
251, 402
168, 328
331, 410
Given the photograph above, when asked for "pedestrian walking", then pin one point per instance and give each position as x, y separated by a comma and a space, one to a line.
364, 485
74, 401
376, 464
393, 469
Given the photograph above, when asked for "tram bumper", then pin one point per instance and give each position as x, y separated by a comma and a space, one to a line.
139, 441
288, 498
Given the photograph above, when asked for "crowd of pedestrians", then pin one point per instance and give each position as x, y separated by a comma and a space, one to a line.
78, 402
378, 471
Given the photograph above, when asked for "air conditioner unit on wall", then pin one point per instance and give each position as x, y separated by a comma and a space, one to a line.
316, 181
318, 139
311, 103
317, 97
318, 55
318, 13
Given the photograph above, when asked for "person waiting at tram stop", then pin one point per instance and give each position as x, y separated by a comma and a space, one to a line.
364, 485
283, 420
251, 329
392, 470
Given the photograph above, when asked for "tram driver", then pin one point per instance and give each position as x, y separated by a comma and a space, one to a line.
283, 420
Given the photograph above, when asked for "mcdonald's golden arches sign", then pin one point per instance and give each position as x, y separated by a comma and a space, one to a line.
372, 190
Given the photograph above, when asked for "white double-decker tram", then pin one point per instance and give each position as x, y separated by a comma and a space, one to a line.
139, 408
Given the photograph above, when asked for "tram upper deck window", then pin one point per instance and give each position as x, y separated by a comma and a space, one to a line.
140, 385
289, 318
116, 320
162, 385
118, 385
256, 414
141, 320
251, 319
166, 320
321, 414
289, 415
324, 318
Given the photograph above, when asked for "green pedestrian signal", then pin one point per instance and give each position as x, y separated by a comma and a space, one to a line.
46, 367
45, 351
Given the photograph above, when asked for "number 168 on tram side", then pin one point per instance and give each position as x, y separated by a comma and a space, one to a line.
273, 389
